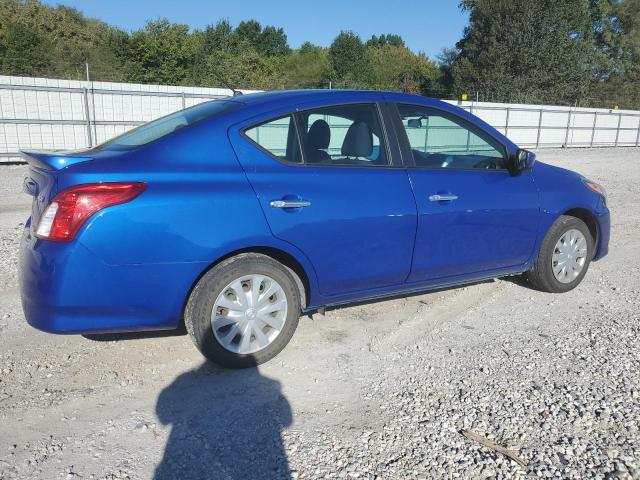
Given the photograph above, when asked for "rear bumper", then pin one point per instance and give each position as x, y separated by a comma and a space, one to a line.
66, 289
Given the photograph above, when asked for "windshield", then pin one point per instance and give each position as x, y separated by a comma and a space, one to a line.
156, 129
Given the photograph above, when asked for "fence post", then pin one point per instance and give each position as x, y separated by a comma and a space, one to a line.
618, 130
638, 134
566, 135
468, 131
506, 125
539, 128
184, 101
593, 129
85, 94
426, 135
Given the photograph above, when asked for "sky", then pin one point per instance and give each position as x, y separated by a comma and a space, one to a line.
425, 25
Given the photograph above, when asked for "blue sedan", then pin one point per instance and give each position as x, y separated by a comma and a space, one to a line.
236, 216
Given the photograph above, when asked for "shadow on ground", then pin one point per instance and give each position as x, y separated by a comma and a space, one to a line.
225, 424
521, 281
121, 336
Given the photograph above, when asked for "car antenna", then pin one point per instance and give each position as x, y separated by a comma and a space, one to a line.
221, 79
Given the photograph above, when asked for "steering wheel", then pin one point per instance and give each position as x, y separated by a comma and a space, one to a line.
488, 164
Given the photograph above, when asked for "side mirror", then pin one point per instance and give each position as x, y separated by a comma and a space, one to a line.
523, 160
414, 123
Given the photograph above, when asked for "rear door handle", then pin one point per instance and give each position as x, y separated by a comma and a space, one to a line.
289, 203
442, 197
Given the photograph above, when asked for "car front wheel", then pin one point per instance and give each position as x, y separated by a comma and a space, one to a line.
564, 257
243, 311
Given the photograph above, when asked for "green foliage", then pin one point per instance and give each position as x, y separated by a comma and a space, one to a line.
268, 41
382, 40
162, 52
544, 48
398, 68
23, 50
544, 51
349, 60
547, 51
619, 36
307, 67
68, 38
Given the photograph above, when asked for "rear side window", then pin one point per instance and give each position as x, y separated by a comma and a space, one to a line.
277, 137
439, 140
173, 122
348, 135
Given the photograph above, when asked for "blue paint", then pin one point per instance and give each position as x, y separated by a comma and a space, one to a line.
370, 232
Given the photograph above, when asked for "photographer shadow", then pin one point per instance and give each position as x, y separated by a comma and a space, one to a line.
225, 424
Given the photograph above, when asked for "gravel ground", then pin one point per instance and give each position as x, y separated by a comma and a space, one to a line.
374, 391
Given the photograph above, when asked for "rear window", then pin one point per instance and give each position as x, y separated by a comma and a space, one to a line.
173, 122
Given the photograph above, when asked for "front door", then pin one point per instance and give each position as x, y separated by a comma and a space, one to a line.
474, 216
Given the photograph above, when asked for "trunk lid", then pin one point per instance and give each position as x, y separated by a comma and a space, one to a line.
42, 177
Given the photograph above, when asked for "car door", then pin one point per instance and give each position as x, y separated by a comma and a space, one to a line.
327, 183
474, 216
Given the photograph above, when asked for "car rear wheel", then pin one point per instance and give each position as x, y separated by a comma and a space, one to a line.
564, 256
243, 311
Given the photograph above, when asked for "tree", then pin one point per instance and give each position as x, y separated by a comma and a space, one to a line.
68, 37
250, 31
390, 39
307, 67
619, 38
398, 68
349, 61
161, 52
273, 42
544, 49
268, 41
219, 37
24, 51
240, 68
514, 50
446, 60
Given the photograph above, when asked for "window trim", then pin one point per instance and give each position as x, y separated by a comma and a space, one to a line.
405, 145
393, 162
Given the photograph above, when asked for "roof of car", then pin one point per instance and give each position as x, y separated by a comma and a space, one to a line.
296, 95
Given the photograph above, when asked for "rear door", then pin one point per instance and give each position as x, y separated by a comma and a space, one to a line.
474, 216
329, 184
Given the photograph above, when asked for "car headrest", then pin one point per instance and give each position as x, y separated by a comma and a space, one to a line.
319, 135
358, 142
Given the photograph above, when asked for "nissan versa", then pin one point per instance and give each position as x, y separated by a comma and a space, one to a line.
236, 216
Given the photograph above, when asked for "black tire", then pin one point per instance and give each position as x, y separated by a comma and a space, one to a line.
541, 275
197, 316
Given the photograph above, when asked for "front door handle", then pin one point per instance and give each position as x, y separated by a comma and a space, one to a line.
289, 203
442, 197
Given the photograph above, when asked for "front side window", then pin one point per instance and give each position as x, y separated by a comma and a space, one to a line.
343, 135
278, 137
439, 140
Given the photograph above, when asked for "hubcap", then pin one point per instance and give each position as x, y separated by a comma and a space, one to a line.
569, 256
249, 314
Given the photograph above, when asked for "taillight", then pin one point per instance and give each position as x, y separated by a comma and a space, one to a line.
72, 207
